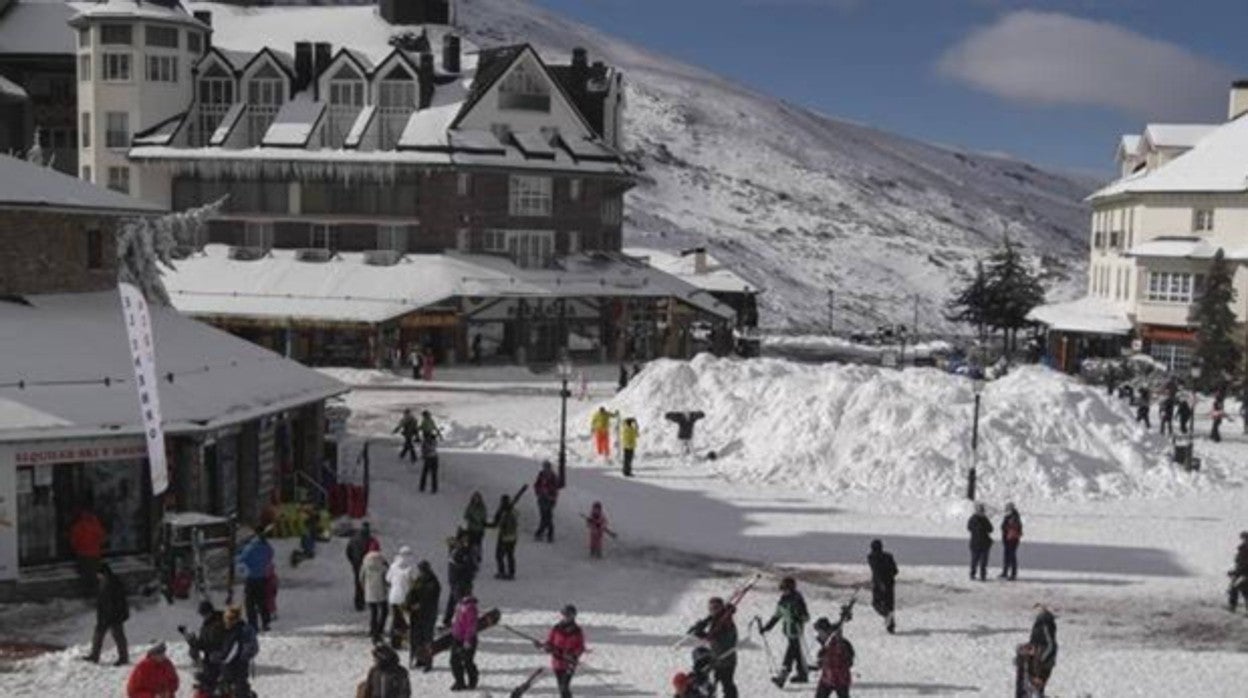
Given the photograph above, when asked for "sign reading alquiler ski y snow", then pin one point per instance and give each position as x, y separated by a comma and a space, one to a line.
143, 359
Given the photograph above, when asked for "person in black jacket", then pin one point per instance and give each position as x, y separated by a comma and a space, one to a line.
1043, 643
1184, 409
461, 572
360, 545
208, 642
422, 608
791, 613
981, 529
1142, 408
410, 428
719, 630
883, 583
1239, 574
387, 678
1011, 537
112, 610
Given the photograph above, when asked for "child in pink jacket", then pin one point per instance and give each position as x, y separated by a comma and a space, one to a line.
464, 644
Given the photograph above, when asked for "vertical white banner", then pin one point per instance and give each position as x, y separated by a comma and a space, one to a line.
143, 359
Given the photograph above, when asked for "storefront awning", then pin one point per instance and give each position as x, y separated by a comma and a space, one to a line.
1087, 315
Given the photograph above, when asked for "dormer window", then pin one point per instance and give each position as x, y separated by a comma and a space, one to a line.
396, 100
524, 89
216, 96
346, 98
265, 95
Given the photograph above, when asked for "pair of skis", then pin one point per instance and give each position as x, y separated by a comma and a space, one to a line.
733, 601
577, 664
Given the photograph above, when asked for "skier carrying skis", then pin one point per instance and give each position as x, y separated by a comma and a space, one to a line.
565, 644
1011, 536
836, 658
409, 427
719, 631
883, 583
508, 525
546, 489
598, 527
981, 529
1037, 658
791, 613
476, 516
628, 444
600, 427
1239, 574
422, 608
464, 644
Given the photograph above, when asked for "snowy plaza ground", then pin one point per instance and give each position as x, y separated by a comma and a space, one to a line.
814, 461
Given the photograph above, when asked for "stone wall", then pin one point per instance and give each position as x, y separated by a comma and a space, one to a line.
49, 252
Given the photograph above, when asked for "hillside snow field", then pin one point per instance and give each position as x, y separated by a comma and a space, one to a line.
802, 203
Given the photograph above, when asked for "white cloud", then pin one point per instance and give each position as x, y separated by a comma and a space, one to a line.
1056, 59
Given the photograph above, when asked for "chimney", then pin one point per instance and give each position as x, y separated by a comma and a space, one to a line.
204, 17
426, 79
450, 53
322, 54
1239, 99
699, 261
303, 65
580, 59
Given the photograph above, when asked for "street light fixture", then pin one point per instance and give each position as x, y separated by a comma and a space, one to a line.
565, 375
977, 385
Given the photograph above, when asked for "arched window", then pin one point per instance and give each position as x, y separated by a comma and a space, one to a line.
346, 98
216, 95
266, 92
396, 99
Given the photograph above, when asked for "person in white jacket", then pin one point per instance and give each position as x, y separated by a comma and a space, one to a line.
402, 572
373, 579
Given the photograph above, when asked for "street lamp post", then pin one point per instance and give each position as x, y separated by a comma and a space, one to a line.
565, 374
977, 385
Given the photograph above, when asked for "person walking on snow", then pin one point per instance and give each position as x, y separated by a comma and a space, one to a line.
86, 540
1217, 415
387, 678
361, 544
399, 578
1142, 408
1239, 574
154, 676
1011, 536
415, 357
719, 630
792, 615
476, 516
546, 490
112, 610
836, 658
409, 428
565, 644
428, 428
373, 579
464, 644
1042, 650
600, 427
628, 444
1168, 404
241, 647
255, 559
429, 470
883, 584
980, 528
422, 608
426, 365
461, 571
508, 525
598, 526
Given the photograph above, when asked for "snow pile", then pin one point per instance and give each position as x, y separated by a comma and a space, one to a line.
867, 429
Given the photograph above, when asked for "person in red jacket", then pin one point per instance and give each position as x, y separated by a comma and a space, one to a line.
836, 657
565, 644
154, 676
86, 539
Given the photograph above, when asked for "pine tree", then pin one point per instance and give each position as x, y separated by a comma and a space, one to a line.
144, 245
970, 305
1215, 323
1012, 291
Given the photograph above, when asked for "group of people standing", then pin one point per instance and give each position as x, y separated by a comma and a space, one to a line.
425, 431
1174, 405
981, 530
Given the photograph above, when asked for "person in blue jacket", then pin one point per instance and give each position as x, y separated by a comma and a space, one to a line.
255, 559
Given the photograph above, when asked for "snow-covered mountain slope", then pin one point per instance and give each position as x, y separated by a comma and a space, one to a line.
802, 203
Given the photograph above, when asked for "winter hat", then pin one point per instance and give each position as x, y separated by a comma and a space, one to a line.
823, 625
157, 650
788, 583
405, 551
569, 611
877, 545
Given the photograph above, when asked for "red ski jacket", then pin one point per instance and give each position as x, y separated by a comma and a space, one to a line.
835, 660
153, 677
566, 644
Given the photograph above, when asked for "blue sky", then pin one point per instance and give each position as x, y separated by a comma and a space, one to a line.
1054, 82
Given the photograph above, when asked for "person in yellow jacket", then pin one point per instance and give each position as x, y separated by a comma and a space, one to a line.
600, 425
628, 443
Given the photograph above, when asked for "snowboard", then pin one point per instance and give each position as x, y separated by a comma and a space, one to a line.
519, 691
444, 641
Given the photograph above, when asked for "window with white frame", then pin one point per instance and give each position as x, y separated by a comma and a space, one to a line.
396, 100
84, 68
392, 237
1175, 356
529, 249
524, 89
1202, 219
165, 37
346, 98
119, 179
216, 96
115, 67
258, 234
530, 196
84, 36
1173, 287
574, 189
266, 94
162, 68
116, 129
116, 35
84, 131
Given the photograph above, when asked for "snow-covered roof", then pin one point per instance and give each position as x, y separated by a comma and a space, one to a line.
1176, 135
1218, 162
347, 289
1128, 145
27, 185
11, 91
717, 277
293, 124
1089, 315
54, 384
152, 10
1183, 248
38, 27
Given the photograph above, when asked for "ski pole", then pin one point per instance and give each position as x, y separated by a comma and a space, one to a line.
771, 661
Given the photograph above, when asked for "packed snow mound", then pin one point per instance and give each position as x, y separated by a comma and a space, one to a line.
862, 428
